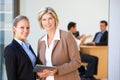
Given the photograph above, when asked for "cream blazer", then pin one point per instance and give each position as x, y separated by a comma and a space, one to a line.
65, 56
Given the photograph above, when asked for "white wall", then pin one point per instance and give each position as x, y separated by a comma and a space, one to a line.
114, 41
86, 13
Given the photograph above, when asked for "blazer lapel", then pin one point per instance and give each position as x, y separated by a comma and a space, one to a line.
19, 47
32, 51
42, 51
55, 44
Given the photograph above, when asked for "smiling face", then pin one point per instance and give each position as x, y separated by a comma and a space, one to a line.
48, 22
22, 29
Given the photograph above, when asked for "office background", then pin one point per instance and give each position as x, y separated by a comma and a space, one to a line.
86, 14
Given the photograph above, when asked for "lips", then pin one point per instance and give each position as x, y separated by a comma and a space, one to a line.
48, 26
25, 34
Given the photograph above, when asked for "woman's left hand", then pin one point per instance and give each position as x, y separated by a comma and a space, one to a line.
53, 72
47, 72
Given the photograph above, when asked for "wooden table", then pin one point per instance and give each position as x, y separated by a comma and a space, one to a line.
102, 53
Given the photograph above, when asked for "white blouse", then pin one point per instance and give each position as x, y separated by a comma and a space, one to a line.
48, 53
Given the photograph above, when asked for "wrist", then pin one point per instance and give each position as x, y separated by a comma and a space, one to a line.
56, 71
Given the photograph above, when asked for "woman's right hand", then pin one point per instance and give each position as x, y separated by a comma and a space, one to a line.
47, 72
43, 74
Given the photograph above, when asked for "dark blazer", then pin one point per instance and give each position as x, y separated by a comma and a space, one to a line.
18, 64
103, 40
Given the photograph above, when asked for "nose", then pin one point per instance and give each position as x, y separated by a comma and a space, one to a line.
47, 21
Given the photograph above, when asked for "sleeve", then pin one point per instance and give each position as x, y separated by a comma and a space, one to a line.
95, 36
74, 56
10, 63
102, 43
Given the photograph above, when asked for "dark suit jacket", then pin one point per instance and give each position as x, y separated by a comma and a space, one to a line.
18, 64
103, 40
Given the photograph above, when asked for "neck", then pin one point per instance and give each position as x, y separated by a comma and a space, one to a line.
50, 36
51, 33
103, 30
70, 31
19, 38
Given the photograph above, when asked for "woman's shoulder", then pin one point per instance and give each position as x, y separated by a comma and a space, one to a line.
13, 45
65, 33
10, 50
41, 39
10, 46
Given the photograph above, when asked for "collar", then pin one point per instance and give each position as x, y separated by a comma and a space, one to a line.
103, 31
21, 42
56, 36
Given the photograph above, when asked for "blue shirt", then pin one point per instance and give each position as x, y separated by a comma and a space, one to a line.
26, 47
98, 37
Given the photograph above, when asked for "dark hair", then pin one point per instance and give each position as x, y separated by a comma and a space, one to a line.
103, 21
70, 25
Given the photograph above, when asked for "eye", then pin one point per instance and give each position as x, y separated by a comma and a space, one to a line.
22, 27
28, 27
43, 19
50, 18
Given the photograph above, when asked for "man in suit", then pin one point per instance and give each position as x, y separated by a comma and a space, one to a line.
91, 60
101, 38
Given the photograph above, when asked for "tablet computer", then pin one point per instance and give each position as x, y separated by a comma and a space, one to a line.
39, 68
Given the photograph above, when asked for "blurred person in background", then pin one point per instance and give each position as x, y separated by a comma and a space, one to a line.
101, 38
90, 59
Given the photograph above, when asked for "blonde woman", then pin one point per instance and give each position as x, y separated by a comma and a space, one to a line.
20, 59
57, 48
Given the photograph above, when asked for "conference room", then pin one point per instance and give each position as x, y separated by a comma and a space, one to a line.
87, 15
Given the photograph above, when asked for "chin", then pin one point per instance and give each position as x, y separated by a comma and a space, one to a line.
24, 38
48, 28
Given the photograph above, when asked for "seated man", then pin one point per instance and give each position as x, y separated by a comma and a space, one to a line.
91, 60
101, 38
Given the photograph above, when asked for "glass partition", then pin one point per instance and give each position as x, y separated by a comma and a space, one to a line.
6, 16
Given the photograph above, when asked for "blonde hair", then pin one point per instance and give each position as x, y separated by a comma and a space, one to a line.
16, 21
50, 11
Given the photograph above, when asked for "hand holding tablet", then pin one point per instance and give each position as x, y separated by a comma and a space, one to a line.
40, 68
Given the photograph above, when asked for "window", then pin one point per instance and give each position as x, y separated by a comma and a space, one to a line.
8, 10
